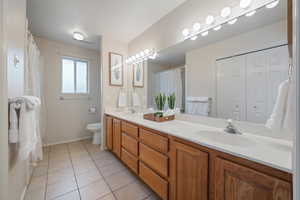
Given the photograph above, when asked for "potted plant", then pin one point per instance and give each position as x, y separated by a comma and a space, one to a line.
160, 101
171, 103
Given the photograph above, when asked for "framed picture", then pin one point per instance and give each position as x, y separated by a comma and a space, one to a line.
138, 75
115, 69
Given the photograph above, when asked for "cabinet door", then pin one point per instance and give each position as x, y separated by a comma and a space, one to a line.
117, 137
109, 133
189, 173
236, 182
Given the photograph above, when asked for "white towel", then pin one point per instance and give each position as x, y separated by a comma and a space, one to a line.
275, 122
198, 99
198, 105
13, 123
136, 100
122, 99
290, 119
29, 138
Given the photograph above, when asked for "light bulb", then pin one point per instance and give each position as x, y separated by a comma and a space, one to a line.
273, 4
185, 32
226, 12
249, 14
78, 36
204, 33
245, 3
217, 28
142, 53
210, 20
133, 58
137, 55
194, 37
147, 51
196, 26
233, 21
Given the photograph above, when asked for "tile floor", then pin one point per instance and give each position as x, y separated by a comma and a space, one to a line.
81, 171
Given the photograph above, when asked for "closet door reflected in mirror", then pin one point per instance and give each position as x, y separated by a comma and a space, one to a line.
247, 85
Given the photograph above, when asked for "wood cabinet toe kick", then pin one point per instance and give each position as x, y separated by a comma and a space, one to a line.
176, 169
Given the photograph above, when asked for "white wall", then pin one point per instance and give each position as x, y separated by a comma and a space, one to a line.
167, 31
66, 120
110, 94
3, 115
14, 27
200, 63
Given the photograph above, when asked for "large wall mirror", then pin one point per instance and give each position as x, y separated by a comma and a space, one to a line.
233, 72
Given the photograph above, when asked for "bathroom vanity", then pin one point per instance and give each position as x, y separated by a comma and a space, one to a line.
189, 161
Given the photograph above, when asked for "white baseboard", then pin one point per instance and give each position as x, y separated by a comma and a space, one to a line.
67, 141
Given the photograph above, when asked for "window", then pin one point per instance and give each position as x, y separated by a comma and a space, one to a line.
74, 76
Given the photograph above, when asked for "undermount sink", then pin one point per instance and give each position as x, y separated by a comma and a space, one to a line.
226, 138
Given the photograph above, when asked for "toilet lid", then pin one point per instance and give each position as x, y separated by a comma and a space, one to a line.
94, 126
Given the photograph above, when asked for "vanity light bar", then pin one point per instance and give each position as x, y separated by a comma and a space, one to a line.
142, 56
245, 8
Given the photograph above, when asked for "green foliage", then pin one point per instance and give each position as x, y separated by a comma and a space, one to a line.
160, 101
171, 101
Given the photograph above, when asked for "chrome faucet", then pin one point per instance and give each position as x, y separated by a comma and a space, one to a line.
230, 128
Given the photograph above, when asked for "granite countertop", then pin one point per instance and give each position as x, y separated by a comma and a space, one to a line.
276, 153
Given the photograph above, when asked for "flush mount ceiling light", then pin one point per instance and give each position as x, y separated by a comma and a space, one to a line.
78, 36
249, 14
196, 26
226, 12
194, 37
210, 20
217, 28
273, 4
204, 33
233, 21
245, 3
185, 32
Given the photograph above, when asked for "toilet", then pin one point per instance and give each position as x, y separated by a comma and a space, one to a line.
95, 128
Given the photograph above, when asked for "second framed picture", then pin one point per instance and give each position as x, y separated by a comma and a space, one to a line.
138, 75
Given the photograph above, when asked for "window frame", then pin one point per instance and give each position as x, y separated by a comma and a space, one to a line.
75, 60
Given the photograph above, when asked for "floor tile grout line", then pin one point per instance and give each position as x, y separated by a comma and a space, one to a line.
70, 157
114, 174
46, 187
101, 174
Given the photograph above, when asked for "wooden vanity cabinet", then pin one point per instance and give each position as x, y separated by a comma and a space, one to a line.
117, 137
237, 182
109, 132
177, 169
189, 173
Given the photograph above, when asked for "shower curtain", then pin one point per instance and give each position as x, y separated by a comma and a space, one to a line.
169, 82
33, 87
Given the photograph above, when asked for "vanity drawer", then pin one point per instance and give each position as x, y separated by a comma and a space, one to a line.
130, 144
130, 160
158, 184
130, 129
157, 142
157, 161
